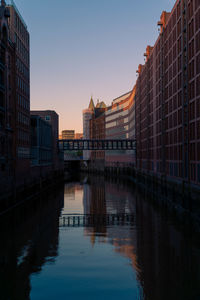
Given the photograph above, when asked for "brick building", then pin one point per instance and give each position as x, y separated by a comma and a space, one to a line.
97, 129
15, 158
168, 97
7, 101
19, 36
78, 136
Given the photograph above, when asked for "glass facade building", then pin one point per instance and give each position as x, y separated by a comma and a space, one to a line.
120, 124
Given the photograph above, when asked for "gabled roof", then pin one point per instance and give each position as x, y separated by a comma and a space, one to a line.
102, 105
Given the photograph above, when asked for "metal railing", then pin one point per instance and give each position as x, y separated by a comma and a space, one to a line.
88, 220
71, 145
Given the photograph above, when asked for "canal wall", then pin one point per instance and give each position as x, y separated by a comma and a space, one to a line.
14, 193
182, 197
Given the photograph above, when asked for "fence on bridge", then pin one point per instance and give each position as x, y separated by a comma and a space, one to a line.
89, 220
81, 145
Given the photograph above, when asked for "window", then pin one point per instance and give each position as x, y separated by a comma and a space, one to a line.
198, 172
47, 118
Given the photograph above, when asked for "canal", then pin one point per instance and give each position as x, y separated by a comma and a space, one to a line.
155, 257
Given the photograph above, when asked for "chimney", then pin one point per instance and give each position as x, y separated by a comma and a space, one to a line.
163, 20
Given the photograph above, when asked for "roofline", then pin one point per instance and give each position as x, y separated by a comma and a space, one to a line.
12, 4
122, 95
44, 111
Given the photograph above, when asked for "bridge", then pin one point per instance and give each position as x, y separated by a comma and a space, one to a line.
88, 220
81, 145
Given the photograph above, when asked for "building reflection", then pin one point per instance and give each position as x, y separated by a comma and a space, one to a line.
104, 197
33, 240
167, 256
165, 259
94, 203
70, 191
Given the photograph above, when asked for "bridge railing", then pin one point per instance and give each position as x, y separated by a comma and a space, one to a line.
71, 145
84, 220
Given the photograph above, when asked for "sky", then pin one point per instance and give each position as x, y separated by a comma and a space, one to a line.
84, 48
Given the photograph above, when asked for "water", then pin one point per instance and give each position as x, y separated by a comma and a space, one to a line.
155, 258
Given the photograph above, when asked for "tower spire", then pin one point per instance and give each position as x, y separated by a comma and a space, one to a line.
91, 105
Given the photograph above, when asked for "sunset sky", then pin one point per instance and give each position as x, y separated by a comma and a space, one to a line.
81, 48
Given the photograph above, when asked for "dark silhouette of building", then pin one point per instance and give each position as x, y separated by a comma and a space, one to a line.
19, 35
52, 118
41, 142
7, 101
33, 231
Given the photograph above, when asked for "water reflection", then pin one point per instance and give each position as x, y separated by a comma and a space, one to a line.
73, 197
29, 239
152, 260
166, 260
